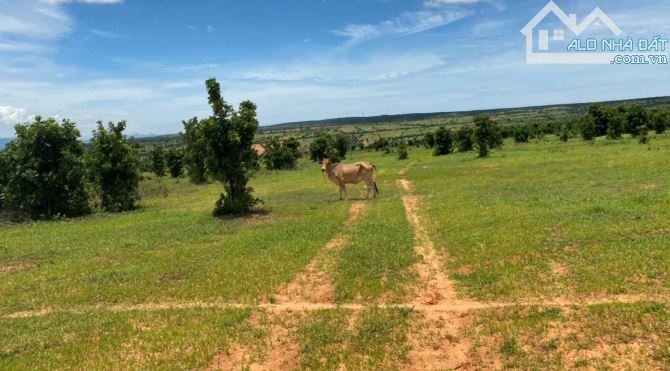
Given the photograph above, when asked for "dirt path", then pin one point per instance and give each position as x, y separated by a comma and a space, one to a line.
314, 284
435, 338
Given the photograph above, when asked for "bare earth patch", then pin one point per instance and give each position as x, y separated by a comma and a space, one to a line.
15, 267
314, 284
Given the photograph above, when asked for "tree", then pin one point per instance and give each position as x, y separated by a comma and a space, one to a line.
615, 125
195, 151
521, 134
403, 154
601, 119
443, 142
229, 135
282, 155
463, 139
564, 134
46, 176
114, 164
157, 155
324, 147
430, 140
637, 119
341, 144
486, 136
174, 159
587, 128
4, 176
660, 121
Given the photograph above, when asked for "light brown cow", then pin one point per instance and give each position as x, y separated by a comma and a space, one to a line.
343, 174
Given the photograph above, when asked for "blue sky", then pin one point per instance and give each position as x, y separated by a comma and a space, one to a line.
146, 60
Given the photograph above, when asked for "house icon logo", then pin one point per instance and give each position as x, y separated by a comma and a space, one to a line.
538, 39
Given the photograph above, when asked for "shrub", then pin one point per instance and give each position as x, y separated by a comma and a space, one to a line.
403, 154
324, 147
615, 126
637, 120
230, 159
486, 136
341, 145
521, 134
659, 121
157, 155
195, 151
429, 139
113, 164
463, 139
587, 128
565, 133
443, 142
282, 155
4, 176
46, 176
174, 159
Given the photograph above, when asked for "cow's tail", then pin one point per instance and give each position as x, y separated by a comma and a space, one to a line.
374, 181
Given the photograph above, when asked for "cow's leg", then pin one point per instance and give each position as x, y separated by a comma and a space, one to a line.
344, 188
339, 191
367, 194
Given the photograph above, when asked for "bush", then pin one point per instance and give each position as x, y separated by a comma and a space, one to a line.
113, 164
521, 134
403, 154
157, 155
443, 142
565, 133
429, 139
4, 176
230, 159
341, 145
487, 135
282, 155
175, 161
46, 176
195, 151
324, 147
587, 128
659, 121
463, 139
637, 120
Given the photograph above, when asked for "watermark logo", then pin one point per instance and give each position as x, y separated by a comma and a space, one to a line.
554, 37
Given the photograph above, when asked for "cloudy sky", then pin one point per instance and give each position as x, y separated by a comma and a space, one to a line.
146, 60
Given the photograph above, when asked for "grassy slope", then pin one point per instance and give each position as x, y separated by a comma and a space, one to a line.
598, 212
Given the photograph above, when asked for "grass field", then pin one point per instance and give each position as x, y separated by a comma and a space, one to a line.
558, 254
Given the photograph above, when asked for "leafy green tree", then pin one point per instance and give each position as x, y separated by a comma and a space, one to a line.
282, 155
486, 136
4, 176
229, 135
443, 142
341, 144
587, 128
403, 154
660, 120
463, 139
174, 159
114, 167
601, 116
521, 134
324, 147
564, 134
637, 119
429, 139
614, 126
195, 151
46, 173
158, 163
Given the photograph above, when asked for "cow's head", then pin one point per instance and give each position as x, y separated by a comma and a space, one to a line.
325, 164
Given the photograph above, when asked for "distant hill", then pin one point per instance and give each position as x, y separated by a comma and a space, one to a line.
567, 110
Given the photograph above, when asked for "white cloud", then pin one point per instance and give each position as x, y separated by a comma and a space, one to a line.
10, 115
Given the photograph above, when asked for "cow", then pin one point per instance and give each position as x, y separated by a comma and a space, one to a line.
343, 174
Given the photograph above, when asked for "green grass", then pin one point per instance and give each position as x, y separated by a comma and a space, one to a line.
611, 336
181, 339
601, 211
172, 249
376, 340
